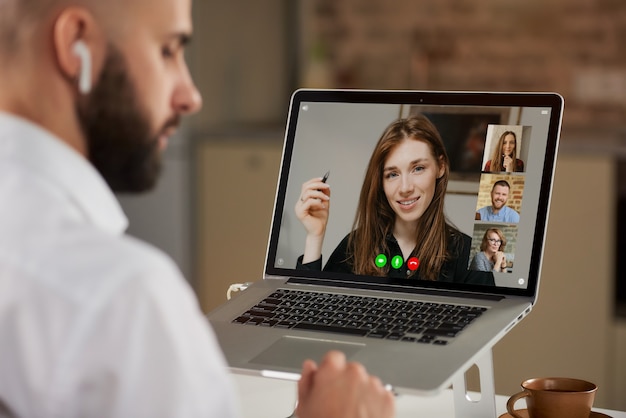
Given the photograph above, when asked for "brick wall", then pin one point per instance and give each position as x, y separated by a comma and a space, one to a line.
574, 47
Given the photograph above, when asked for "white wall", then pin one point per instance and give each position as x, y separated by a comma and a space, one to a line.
332, 123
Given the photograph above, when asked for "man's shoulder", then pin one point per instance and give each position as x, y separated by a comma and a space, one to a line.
510, 213
485, 210
509, 209
83, 260
129, 254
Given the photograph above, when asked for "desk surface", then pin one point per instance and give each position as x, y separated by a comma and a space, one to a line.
271, 398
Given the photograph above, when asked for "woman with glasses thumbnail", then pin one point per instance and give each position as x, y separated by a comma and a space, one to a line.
491, 256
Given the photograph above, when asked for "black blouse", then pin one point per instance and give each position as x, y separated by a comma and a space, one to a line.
454, 270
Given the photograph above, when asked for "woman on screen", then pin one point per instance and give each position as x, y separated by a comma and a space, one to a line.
504, 156
400, 229
491, 256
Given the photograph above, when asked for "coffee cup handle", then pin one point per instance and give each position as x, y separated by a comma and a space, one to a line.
510, 404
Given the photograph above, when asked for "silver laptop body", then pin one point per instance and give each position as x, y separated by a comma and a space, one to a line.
336, 131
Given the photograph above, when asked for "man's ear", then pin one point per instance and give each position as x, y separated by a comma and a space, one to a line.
75, 41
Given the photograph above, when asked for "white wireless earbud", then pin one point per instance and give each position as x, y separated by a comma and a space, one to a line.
84, 78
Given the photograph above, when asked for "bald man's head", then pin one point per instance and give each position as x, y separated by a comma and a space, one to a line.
133, 54
17, 19
20, 19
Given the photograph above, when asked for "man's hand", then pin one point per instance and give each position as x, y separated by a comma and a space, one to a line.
338, 389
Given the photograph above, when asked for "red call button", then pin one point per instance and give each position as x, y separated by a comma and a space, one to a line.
413, 263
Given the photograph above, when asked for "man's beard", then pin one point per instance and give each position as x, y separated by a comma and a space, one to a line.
120, 143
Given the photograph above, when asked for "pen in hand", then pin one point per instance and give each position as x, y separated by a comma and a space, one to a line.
324, 178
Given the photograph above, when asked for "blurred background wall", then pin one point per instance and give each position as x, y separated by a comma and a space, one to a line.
212, 210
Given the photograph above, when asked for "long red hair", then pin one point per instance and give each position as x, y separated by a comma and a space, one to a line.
374, 220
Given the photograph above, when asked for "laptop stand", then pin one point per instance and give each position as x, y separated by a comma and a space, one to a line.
465, 406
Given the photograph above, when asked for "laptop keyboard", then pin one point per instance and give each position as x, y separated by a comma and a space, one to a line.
370, 317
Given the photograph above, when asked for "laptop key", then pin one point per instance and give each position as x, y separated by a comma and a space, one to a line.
285, 324
450, 327
440, 332
270, 301
426, 338
260, 313
331, 328
241, 319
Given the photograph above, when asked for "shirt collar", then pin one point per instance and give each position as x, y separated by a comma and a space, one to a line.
49, 157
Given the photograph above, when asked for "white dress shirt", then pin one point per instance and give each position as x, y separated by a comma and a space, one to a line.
93, 323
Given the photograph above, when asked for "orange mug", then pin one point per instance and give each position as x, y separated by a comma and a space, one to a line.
554, 397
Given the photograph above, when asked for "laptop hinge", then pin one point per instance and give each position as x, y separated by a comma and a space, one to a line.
391, 288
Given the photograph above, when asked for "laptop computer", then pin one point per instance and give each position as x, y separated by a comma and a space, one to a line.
387, 311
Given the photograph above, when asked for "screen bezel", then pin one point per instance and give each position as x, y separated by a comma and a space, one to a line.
553, 101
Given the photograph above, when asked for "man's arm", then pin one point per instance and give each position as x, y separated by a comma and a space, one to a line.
150, 352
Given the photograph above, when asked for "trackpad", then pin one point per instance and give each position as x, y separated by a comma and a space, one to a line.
292, 351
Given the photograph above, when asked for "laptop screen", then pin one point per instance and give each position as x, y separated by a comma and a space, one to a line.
444, 190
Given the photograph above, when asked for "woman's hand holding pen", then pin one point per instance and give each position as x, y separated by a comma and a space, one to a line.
507, 163
312, 210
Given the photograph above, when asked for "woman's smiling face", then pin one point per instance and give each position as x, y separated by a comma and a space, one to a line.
494, 242
410, 173
508, 145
